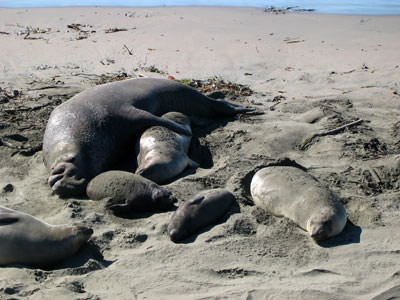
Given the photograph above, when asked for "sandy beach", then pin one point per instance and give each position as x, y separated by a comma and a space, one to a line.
308, 74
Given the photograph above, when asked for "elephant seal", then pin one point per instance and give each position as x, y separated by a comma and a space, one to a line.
202, 210
162, 153
128, 193
29, 241
292, 193
86, 134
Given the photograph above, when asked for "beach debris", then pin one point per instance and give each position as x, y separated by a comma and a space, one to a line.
127, 49
233, 90
105, 78
81, 36
307, 142
112, 30
3, 32
171, 77
130, 14
292, 9
151, 49
80, 27
294, 42
153, 69
289, 69
5, 96
248, 74
107, 61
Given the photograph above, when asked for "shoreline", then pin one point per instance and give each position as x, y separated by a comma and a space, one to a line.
277, 10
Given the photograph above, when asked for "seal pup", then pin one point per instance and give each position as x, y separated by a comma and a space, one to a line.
27, 240
292, 193
202, 210
85, 135
162, 153
128, 193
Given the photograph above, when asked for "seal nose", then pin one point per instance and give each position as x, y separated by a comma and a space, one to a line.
318, 233
173, 234
86, 231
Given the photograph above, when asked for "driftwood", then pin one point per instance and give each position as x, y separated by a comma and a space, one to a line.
306, 143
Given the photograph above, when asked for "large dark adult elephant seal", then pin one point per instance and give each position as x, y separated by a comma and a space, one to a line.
27, 240
85, 135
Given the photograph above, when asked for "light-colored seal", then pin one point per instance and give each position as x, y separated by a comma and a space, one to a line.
128, 193
88, 133
294, 194
27, 240
204, 209
162, 152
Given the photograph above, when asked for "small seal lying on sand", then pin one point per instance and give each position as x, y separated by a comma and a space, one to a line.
294, 194
162, 153
89, 132
26, 240
129, 193
204, 209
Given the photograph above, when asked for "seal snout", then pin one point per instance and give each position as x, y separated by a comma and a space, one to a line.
85, 231
174, 235
319, 233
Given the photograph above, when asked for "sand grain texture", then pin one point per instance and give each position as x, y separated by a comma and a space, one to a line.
310, 73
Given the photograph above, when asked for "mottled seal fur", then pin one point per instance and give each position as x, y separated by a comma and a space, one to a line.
27, 240
204, 209
128, 193
162, 152
294, 194
89, 132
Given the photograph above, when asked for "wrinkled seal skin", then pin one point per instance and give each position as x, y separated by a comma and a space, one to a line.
29, 241
128, 193
162, 153
294, 194
86, 134
204, 209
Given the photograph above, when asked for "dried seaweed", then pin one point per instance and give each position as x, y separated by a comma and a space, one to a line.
210, 85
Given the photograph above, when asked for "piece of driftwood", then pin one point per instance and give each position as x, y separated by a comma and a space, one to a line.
306, 143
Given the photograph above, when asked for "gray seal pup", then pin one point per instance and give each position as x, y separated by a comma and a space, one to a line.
162, 153
204, 209
85, 135
27, 240
292, 193
128, 193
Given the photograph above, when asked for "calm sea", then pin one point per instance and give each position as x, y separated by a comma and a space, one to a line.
370, 7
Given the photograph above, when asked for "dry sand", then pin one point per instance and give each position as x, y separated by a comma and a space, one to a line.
310, 73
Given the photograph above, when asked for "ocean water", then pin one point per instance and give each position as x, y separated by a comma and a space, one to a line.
368, 7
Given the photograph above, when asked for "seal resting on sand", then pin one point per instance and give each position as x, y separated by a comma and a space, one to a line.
204, 209
128, 193
294, 194
27, 240
162, 153
86, 134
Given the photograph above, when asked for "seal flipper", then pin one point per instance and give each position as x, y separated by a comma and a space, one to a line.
8, 218
144, 119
